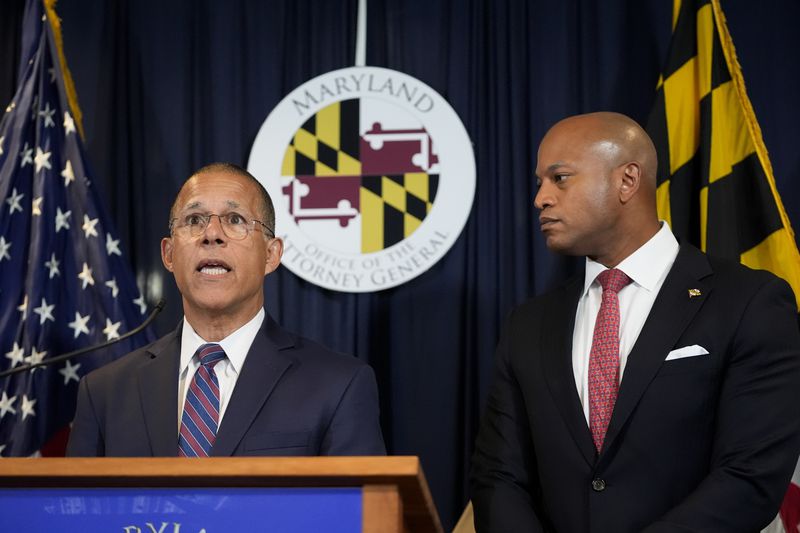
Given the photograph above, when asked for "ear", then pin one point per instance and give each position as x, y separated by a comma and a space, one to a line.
166, 253
631, 179
274, 254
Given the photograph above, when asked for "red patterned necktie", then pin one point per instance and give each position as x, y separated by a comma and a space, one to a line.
604, 356
201, 408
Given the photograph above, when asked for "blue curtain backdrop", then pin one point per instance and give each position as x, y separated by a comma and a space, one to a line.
166, 87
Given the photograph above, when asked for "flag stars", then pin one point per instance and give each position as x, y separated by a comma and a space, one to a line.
70, 372
67, 173
23, 307
112, 329
16, 356
52, 265
86, 276
27, 156
62, 219
112, 284
112, 245
13, 201
69, 123
90, 226
7, 405
47, 115
140, 302
79, 325
4, 248
35, 358
42, 160
36, 206
45, 312
27, 407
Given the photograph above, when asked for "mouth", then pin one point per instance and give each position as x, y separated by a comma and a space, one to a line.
546, 223
213, 267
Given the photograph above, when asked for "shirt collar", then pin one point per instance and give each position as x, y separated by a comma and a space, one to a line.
236, 345
646, 266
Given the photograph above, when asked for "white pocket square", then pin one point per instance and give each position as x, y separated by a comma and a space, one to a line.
687, 351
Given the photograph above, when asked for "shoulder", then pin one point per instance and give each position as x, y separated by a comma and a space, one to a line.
122, 368
729, 276
305, 354
309, 353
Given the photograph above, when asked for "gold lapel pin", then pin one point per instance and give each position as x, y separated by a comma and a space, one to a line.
694, 292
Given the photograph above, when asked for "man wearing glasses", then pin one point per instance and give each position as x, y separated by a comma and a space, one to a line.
229, 380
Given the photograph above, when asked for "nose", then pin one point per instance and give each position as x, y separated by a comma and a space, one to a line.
543, 197
214, 231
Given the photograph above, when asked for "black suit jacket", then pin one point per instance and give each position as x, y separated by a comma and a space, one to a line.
704, 444
292, 397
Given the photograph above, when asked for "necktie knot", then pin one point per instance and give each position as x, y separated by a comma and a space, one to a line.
210, 354
613, 280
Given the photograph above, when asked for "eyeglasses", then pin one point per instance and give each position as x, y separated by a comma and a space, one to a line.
234, 225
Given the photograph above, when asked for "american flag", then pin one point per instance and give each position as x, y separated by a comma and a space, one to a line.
64, 282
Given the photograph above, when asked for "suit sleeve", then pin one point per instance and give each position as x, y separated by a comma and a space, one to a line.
757, 433
503, 475
355, 426
85, 438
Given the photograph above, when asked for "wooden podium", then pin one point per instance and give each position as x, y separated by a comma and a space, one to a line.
394, 494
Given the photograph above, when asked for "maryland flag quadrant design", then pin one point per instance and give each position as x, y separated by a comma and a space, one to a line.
365, 185
715, 184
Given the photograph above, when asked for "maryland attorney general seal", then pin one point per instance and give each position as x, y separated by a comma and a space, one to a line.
372, 174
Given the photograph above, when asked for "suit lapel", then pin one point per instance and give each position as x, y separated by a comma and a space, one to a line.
263, 368
672, 312
158, 391
558, 326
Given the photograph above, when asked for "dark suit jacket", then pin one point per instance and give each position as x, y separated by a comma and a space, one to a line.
292, 397
704, 444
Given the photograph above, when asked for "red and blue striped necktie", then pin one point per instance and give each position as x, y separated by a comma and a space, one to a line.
201, 408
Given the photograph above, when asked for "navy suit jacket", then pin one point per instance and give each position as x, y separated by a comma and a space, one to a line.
703, 444
292, 397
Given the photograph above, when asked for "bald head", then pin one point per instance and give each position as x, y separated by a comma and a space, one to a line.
614, 138
597, 192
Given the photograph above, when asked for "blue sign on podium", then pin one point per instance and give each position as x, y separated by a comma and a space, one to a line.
182, 510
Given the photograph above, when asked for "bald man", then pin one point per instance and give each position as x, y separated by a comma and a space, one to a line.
659, 391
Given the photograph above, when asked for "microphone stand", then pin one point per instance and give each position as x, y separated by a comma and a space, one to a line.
18, 370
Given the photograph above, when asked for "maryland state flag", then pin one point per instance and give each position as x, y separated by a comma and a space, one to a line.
715, 183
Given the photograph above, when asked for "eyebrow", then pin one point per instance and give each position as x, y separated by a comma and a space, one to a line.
231, 205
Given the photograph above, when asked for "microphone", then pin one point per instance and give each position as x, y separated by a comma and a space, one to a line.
18, 370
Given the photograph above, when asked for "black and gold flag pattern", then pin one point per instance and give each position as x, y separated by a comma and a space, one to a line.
393, 207
715, 184
327, 144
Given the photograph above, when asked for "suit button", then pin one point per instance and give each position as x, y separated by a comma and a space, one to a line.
598, 485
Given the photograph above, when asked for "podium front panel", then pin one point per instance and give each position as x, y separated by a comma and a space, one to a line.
182, 510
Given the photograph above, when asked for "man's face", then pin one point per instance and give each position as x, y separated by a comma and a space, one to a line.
577, 196
218, 275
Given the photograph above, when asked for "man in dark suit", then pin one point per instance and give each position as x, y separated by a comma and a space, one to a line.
660, 391
229, 380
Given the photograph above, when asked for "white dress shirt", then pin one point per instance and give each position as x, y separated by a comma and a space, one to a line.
648, 268
236, 346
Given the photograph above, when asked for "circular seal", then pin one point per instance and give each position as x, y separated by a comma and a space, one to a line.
372, 175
